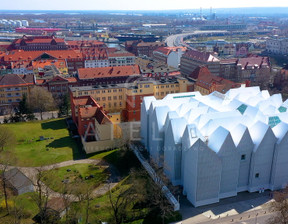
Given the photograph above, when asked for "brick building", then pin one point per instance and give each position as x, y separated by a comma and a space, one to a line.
254, 69
194, 58
107, 75
140, 48
126, 98
36, 43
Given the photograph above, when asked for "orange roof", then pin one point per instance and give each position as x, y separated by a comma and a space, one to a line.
32, 55
91, 109
104, 72
71, 79
60, 63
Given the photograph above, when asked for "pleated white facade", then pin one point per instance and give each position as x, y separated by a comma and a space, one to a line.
220, 144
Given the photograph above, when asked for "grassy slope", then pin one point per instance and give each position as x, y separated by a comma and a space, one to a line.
54, 177
29, 151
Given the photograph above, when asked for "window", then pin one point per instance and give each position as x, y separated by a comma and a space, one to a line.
257, 175
120, 97
103, 98
114, 97
243, 157
109, 97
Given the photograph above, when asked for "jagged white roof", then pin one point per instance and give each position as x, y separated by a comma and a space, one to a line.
237, 133
280, 131
216, 140
217, 114
257, 132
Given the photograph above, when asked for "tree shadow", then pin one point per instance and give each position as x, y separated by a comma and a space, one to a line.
74, 144
54, 125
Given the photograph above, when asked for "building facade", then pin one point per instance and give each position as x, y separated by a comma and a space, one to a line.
219, 144
193, 58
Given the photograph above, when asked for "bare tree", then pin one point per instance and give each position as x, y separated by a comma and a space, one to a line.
280, 206
42, 195
83, 192
6, 158
41, 100
7, 138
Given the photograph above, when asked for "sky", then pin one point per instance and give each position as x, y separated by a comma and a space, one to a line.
134, 4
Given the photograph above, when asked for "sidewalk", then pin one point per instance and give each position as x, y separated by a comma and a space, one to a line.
45, 115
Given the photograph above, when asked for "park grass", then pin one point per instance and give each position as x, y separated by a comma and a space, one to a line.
25, 202
123, 159
30, 151
78, 172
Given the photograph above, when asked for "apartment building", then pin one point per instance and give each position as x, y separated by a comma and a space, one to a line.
12, 89
126, 98
194, 58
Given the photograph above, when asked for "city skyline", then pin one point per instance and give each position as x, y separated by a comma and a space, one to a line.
130, 5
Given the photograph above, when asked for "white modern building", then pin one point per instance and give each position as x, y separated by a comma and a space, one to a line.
219, 144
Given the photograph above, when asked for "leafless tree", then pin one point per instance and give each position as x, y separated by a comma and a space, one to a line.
7, 138
83, 192
41, 100
6, 158
42, 194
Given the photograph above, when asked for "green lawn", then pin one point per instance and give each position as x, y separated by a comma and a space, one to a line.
27, 207
30, 151
74, 173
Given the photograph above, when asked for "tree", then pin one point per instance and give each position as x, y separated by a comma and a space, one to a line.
83, 192
7, 138
130, 192
280, 205
41, 100
6, 158
41, 198
24, 112
63, 106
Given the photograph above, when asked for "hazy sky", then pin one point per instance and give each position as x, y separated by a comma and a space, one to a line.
133, 4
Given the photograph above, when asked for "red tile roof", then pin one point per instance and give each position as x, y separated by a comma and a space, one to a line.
32, 55
91, 109
104, 72
212, 82
248, 61
168, 50
201, 56
11, 80
37, 40
200, 71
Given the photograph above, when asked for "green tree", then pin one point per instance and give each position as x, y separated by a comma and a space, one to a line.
63, 106
24, 112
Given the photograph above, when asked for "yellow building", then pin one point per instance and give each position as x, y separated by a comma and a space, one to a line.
58, 65
12, 89
126, 98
